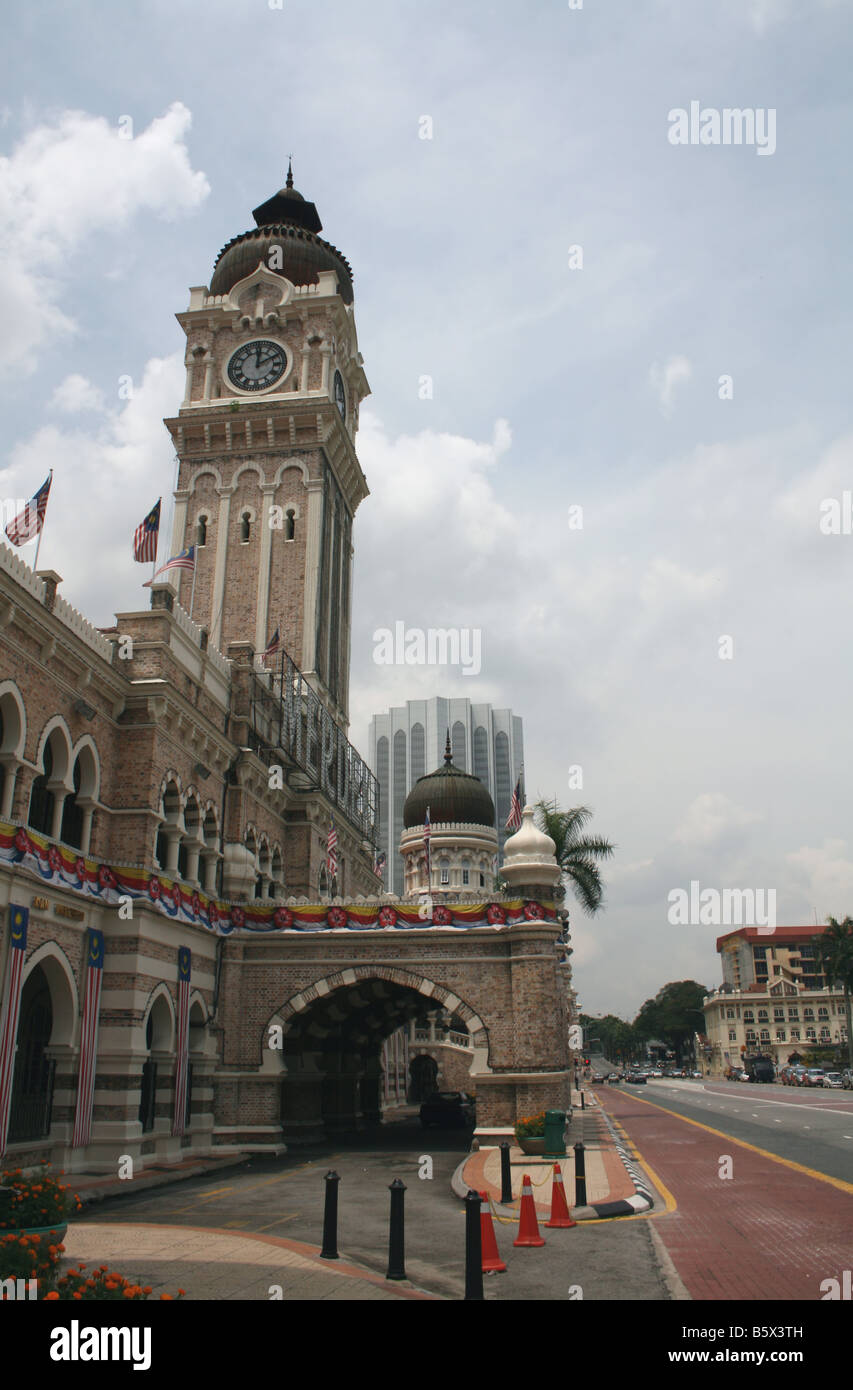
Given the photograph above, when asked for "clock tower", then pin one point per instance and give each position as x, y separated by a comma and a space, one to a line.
269, 480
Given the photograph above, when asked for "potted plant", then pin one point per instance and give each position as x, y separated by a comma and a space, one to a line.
530, 1133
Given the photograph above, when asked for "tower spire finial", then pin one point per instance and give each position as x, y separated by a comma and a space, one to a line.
448, 755
289, 183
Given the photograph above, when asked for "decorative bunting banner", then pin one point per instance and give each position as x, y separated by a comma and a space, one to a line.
55, 864
89, 1038
18, 920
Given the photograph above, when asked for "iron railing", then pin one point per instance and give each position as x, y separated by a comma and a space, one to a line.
290, 723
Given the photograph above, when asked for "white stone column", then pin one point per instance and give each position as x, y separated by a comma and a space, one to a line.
217, 601
59, 795
179, 522
208, 376
313, 543
262, 623
326, 354
9, 790
174, 839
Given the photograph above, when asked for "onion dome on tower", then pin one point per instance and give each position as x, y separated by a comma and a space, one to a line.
452, 797
289, 224
463, 841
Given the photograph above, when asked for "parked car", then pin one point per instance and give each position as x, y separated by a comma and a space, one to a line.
832, 1080
814, 1077
448, 1110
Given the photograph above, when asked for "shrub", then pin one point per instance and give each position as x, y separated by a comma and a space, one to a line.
37, 1200
531, 1126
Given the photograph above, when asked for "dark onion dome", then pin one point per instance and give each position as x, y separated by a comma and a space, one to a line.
287, 221
452, 796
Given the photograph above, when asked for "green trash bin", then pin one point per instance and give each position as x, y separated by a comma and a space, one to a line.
555, 1125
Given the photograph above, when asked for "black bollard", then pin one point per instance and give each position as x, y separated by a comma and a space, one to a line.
580, 1175
506, 1173
330, 1218
473, 1248
397, 1236
583, 1101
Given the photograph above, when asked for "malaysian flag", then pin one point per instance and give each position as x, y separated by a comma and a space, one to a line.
183, 1045
89, 1038
28, 523
184, 561
513, 821
18, 918
146, 535
427, 833
332, 851
273, 647
379, 866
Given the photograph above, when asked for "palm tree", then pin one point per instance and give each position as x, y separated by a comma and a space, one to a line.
836, 953
576, 853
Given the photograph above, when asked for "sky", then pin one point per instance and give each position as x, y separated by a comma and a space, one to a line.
609, 426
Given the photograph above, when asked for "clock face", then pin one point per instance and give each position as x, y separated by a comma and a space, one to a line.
340, 395
257, 365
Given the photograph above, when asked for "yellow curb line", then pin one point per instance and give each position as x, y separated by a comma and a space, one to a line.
753, 1148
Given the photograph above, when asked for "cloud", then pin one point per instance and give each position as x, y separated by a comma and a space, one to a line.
710, 819
76, 393
665, 381
824, 875
62, 184
105, 480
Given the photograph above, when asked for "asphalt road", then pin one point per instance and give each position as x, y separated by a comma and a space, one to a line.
810, 1127
284, 1197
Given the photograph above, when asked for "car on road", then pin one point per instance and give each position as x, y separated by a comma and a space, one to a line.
448, 1110
813, 1077
636, 1078
833, 1080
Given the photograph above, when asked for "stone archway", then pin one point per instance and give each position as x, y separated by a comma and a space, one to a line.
333, 1036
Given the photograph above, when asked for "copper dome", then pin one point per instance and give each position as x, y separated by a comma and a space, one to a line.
285, 221
452, 797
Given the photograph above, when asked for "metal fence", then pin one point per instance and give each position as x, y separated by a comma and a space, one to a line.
291, 724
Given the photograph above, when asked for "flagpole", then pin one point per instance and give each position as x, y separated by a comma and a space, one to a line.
41, 528
192, 593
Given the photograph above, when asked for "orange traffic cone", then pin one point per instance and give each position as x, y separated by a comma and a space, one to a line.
492, 1262
559, 1207
528, 1227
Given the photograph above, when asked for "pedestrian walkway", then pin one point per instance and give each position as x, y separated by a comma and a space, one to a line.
95, 1187
607, 1179
213, 1264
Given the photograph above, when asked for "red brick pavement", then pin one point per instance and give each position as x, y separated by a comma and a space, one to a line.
769, 1232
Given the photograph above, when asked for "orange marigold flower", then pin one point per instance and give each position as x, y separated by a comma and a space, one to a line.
166, 1298
77, 1295
147, 1288
182, 1291
54, 1294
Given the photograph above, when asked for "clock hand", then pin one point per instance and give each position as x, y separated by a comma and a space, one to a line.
257, 358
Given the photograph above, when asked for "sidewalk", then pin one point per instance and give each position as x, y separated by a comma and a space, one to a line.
206, 1262
610, 1189
214, 1264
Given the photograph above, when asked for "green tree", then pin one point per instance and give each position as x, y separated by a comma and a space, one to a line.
577, 854
674, 1014
836, 954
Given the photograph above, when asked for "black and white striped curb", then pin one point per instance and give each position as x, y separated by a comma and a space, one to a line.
642, 1199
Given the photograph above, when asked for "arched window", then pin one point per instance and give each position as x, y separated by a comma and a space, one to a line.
201, 531
245, 527
290, 524
32, 1090
40, 817
444, 866
72, 814
466, 872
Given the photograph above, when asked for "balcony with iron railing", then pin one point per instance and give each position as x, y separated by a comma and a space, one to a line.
290, 725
